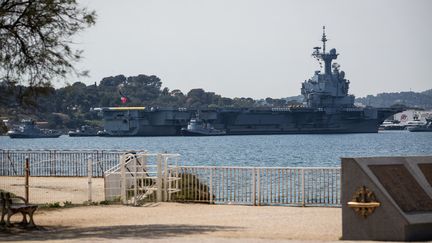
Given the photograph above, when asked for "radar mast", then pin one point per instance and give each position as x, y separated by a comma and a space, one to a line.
326, 57
324, 39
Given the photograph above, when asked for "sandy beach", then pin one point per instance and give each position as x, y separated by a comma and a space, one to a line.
181, 222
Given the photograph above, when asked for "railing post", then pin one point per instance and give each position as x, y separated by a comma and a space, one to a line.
3, 163
211, 185
169, 185
27, 174
177, 184
303, 187
135, 182
165, 179
159, 179
253, 187
259, 186
50, 165
123, 178
89, 176
54, 163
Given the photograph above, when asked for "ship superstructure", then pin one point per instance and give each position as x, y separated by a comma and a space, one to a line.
328, 109
328, 89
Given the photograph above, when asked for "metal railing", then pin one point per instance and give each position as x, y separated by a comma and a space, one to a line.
301, 186
58, 162
57, 175
259, 185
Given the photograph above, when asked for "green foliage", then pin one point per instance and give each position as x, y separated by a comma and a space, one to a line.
3, 128
115, 200
70, 106
52, 205
35, 38
67, 204
90, 203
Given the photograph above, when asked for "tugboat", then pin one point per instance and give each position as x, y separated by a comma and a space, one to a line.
197, 127
28, 129
84, 131
422, 128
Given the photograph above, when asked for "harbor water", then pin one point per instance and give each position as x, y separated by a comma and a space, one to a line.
262, 150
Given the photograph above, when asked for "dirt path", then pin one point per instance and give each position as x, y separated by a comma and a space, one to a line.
55, 189
178, 222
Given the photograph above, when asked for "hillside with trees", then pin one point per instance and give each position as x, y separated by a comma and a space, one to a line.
71, 106
422, 100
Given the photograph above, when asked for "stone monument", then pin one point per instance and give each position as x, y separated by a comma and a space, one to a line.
387, 198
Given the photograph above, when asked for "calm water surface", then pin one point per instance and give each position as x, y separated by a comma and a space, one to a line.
262, 150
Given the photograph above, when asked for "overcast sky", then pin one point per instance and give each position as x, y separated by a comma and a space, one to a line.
258, 49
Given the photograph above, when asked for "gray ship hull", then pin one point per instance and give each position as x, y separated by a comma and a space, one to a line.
77, 134
200, 134
247, 122
20, 135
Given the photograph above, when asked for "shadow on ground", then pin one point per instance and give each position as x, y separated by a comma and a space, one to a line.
153, 231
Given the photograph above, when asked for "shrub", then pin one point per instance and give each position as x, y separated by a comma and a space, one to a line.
190, 187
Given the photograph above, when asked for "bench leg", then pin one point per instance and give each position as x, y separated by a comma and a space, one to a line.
24, 220
9, 215
31, 222
2, 221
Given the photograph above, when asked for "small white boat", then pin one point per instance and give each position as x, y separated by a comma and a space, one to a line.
422, 128
84, 131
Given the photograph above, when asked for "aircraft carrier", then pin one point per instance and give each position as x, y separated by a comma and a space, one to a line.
328, 108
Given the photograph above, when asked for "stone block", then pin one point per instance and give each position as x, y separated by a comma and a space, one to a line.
387, 198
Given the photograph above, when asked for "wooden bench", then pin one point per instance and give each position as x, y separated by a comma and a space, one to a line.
11, 205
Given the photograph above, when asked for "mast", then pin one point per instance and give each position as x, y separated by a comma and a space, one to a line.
324, 39
326, 57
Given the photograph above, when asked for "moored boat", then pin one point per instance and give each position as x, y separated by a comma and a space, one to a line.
197, 127
422, 128
392, 125
28, 129
84, 131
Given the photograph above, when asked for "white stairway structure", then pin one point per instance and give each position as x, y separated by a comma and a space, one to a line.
142, 177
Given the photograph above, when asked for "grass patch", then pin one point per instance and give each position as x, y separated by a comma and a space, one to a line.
51, 205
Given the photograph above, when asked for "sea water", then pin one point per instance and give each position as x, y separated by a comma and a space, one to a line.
260, 150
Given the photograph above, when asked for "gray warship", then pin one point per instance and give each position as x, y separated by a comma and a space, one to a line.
328, 108
28, 129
